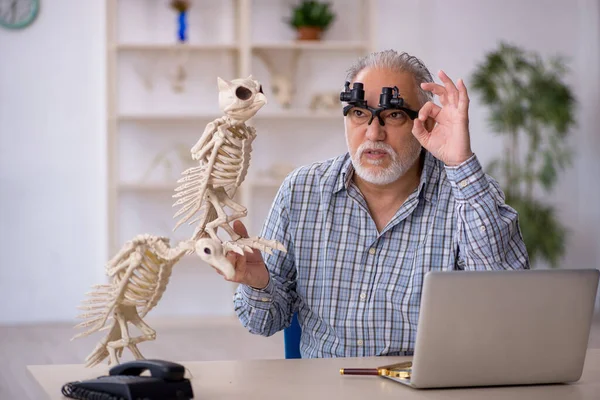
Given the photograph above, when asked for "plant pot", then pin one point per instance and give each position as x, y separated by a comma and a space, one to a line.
309, 33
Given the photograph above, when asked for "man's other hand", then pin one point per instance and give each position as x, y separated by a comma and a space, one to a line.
250, 269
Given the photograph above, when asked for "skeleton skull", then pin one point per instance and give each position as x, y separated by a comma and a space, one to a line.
240, 99
211, 252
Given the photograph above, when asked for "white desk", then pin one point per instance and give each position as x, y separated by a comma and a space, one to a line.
320, 379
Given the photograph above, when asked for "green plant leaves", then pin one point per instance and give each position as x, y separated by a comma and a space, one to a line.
543, 234
534, 110
312, 13
547, 175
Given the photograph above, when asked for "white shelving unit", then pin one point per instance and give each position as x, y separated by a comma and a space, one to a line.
142, 119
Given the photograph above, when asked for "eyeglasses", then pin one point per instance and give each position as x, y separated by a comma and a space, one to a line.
391, 117
391, 106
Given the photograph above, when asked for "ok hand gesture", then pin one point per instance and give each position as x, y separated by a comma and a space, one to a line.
449, 140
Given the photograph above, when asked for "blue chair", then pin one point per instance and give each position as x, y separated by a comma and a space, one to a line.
291, 338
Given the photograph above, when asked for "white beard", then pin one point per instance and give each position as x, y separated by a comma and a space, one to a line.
397, 168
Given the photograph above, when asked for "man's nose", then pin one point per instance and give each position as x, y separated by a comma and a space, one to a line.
375, 131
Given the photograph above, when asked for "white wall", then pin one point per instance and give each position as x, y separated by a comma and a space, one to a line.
52, 167
52, 130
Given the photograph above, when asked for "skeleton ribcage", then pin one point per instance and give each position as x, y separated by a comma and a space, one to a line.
231, 151
231, 165
147, 282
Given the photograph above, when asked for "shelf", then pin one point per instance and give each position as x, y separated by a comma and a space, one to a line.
204, 118
313, 45
175, 47
147, 187
300, 114
158, 117
261, 183
331, 45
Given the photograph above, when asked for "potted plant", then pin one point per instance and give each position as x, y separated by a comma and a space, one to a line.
534, 110
310, 19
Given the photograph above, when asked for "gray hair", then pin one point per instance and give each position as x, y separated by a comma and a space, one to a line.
394, 61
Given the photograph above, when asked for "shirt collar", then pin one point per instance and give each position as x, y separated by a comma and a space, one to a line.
345, 175
430, 177
427, 183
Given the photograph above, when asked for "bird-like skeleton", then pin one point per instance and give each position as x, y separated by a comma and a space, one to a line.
139, 273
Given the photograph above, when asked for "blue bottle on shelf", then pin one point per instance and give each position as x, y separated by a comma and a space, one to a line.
182, 32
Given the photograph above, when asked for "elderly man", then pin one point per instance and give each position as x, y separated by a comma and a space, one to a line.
362, 229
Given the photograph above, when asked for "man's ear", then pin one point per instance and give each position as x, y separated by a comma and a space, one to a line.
429, 124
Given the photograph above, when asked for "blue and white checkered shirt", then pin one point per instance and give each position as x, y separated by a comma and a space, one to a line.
357, 291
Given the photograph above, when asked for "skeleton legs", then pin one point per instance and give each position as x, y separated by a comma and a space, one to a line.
122, 317
223, 220
219, 201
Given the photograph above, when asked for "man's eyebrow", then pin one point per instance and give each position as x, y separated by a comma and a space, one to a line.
407, 105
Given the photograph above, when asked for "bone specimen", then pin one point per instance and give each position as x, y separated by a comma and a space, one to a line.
139, 273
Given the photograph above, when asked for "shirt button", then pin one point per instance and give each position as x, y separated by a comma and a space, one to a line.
363, 296
372, 250
482, 228
264, 299
463, 183
359, 342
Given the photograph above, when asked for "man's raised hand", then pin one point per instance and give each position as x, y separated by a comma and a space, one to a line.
449, 140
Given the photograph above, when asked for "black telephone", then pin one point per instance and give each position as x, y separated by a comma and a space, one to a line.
124, 382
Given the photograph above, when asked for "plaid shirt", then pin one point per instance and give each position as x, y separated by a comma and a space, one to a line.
357, 291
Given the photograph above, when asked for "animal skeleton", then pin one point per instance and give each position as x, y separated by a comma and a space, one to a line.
139, 273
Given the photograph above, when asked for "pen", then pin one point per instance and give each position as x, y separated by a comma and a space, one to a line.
400, 370
360, 371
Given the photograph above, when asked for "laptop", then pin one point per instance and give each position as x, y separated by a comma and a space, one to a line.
493, 328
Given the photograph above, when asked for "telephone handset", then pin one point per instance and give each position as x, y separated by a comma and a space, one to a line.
124, 382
